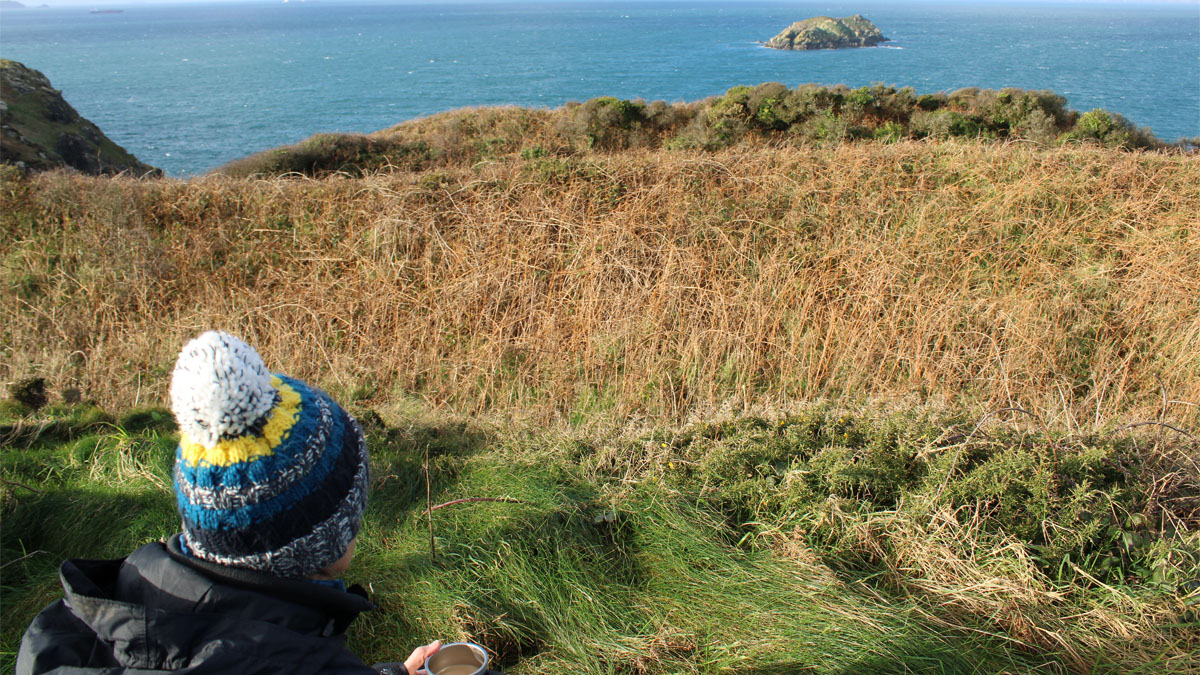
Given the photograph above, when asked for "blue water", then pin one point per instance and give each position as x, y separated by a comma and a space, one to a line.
188, 87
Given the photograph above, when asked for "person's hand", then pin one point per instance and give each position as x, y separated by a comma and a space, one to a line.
416, 661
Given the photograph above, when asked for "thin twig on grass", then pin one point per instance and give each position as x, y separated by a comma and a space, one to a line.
1164, 425
429, 508
465, 500
20, 485
27, 555
996, 412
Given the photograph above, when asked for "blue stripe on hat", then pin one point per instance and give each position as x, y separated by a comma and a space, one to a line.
300, 442
272, 532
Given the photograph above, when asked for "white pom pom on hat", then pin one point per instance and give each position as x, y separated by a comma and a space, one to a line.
220, 388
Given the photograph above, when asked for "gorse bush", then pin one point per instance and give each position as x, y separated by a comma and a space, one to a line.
838, 113
1110, 130
770, 111
606, 123
353, 154
811, 112
1079, 506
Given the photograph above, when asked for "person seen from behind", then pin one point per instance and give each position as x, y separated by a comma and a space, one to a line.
271, 480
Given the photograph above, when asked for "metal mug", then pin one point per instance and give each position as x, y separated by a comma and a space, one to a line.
458, 658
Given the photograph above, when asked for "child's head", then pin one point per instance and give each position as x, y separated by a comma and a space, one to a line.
270, 474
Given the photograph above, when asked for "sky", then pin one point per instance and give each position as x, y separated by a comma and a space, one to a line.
131, 3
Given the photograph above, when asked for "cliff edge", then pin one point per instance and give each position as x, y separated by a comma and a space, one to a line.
823, 32
39, 130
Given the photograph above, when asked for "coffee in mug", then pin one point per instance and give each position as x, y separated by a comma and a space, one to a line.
458, 658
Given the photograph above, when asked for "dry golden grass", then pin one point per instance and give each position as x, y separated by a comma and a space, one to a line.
1065, 282
999, 586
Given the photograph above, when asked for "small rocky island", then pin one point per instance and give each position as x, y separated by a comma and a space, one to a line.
823, 32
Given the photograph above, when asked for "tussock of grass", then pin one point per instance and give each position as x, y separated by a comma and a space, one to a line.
755, 546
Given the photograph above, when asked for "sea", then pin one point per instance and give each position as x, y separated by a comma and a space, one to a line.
189, 86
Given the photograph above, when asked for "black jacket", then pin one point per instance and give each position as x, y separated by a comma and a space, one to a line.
161, 611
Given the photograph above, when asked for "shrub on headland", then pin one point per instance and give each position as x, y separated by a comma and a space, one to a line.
770, 111
321, 154
608, 123
1110, 130
820, 114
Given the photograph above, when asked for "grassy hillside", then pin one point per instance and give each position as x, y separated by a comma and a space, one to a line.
651, 283
914, 406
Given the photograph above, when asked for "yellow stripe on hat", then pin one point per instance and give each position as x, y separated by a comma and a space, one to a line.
248, 448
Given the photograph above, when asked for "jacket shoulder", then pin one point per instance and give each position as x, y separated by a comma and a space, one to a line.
148, 614
59, 642
55, 638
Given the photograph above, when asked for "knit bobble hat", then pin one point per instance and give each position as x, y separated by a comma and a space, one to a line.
271, 474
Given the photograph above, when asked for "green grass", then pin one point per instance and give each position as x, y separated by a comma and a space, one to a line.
826, 541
